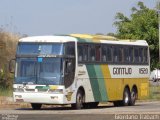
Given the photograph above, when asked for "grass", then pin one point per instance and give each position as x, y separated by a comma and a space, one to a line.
6, 92
154, 92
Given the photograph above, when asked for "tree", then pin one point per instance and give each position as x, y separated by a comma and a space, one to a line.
8, 42
142, 24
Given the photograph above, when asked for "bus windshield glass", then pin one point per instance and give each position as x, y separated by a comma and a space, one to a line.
39, 48
46, 71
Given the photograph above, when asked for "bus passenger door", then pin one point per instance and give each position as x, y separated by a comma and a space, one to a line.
69, 72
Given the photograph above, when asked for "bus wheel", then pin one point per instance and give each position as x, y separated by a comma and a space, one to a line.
133, 97
126, 97
79, 100
36, 106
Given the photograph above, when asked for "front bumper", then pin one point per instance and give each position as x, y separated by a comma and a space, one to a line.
43, 98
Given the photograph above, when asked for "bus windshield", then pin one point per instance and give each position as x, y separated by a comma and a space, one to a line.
37, 48
46, 71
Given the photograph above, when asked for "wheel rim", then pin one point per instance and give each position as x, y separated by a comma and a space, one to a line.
126, 99
133, 95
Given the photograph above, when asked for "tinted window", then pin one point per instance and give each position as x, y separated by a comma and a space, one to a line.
70, 49
141, 55
109, 53
145, 57
136, 55
36, 48
82, 52
128, 54
106, 53
98, 53
117, 54
92, 53
85, 53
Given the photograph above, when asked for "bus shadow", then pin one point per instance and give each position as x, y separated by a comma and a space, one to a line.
66, 108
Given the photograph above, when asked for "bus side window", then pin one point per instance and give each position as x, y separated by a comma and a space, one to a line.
117, 54
85, 53
109, 53
145, 57
141, 55
98, 53
92, 53
126, 55
120, 53
136, 55
80, 52
104, 54
130, 54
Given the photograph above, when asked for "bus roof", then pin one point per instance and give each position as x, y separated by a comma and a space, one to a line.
83, 38
89, 36
51, 38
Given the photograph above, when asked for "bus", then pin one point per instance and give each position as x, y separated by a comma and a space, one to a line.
80, 70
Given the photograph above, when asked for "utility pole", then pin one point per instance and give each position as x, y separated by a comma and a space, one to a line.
159, 31
158, 10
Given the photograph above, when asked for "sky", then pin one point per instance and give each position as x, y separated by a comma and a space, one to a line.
48, 17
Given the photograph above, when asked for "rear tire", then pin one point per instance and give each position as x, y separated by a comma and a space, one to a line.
126, 97
133, 97
36, 106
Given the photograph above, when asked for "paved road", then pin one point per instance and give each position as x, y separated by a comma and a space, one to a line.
140, 110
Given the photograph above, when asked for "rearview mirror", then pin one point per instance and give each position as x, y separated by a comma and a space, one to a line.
12, 66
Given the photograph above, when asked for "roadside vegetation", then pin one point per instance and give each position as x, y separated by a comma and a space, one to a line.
7, 92
142, 24
154, 92
8, 42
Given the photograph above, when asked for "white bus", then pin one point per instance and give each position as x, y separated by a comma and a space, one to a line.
81, 70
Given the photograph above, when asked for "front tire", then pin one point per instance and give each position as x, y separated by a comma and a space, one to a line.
79, 100
36, 106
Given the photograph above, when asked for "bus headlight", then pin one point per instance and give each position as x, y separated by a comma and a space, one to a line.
60, 91
18, 90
